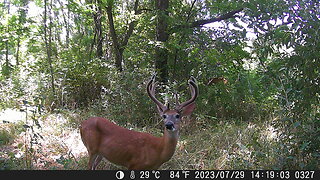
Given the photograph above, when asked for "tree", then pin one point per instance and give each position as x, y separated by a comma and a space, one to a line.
96, 8
48, 40
118, 45
161, 51
7, 63
16, 30
164, 30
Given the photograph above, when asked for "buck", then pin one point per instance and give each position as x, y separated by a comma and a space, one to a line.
136, 150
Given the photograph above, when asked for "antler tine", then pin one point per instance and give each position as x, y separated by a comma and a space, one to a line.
193, 79
176, 98
194, 82
194, 93
151, 92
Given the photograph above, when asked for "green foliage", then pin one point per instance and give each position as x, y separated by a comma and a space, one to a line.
125, 99
290, 53
8, 133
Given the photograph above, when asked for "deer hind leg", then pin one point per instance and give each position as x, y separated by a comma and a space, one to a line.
97, 161
94, 160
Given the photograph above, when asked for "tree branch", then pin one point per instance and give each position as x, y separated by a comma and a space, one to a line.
202, 22
190, 10
139, 11
112, 28
131, 25
220, 18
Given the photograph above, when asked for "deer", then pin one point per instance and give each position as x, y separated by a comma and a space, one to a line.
132, 149
216, 80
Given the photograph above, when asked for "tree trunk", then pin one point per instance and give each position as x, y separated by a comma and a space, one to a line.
22, 20
116, 46
17, 53
6, 69
47, 39
98, 24
161, 54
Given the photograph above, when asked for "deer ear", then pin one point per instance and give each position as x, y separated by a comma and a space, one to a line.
187, 110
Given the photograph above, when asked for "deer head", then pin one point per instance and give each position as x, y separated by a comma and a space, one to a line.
172, 117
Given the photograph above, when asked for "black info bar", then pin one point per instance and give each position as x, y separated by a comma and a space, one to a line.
165, 174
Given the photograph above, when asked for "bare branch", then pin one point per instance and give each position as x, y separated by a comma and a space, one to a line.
139, 11
202, 22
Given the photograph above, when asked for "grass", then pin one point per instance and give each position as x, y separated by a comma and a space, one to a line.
7, 133
227, 145
204, 144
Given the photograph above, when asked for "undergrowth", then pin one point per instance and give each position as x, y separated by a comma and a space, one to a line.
227, 145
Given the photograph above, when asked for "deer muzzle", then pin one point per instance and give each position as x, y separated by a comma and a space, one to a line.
169, 126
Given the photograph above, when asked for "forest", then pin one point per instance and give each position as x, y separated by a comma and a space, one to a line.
256, 63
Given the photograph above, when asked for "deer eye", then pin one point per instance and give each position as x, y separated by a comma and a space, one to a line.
177, 116
164, 116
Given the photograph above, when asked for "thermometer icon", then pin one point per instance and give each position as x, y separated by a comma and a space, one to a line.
132, 176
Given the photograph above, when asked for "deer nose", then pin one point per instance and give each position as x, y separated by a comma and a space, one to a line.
169, 125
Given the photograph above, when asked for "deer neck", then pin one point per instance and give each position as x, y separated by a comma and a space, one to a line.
169, 143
